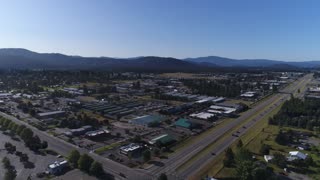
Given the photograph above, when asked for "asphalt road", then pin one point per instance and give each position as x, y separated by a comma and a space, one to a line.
180, 157
64, 148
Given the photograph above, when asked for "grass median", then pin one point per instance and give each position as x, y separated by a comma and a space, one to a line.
227, 134
251, 141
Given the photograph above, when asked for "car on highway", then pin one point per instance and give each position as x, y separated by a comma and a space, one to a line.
235, 135
122, 175
213, 154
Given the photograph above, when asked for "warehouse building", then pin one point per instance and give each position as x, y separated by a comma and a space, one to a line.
52, 114
203, 115
97, 134
162, 140
79, 131
146, 120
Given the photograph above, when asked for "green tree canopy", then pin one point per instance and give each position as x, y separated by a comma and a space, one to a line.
162, 177
73, 158
84, 163
229, 158
96, 169
146, 155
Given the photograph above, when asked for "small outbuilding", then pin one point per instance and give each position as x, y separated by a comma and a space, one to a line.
293, 155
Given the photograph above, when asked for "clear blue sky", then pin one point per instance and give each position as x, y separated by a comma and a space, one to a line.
274, 29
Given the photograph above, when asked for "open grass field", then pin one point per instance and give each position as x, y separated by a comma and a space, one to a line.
107, 147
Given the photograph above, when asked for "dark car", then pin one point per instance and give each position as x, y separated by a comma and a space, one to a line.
234, 135
122, 175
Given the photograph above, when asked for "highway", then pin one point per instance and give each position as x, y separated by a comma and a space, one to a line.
256, 113
280, 97
64, 148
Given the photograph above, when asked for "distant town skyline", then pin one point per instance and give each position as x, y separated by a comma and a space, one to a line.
280, 30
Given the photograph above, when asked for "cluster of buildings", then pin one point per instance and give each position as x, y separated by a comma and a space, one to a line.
112, 110
195, 97
249, 94
79, 131
130, 108
292, 155
73, 91
147, 120
313, 92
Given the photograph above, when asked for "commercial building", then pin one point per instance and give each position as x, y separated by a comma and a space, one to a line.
5, 95
221, 109
203, 115
249, 94
164, 139
52, 114
209, 99
73, 91
146, 120
113, 111
129, 149
97, 133
57, 167
184, 123
314, 89
79, 131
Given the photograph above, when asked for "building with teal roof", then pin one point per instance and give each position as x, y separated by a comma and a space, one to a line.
182, 122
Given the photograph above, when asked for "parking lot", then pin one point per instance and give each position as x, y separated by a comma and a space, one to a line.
40, 162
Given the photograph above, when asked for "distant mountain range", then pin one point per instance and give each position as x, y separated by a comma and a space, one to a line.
25, 59
227, 62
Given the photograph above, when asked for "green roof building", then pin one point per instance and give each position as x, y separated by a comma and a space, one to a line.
185, 123
163, 139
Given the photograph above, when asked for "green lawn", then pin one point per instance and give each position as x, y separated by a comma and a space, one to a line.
266, 136
107, 147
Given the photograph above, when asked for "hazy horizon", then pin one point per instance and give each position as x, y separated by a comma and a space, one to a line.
278, 30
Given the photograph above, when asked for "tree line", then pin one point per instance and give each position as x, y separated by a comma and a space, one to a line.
298, 113
225, 88
86, 164
11, 172
245, 165
31, 141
